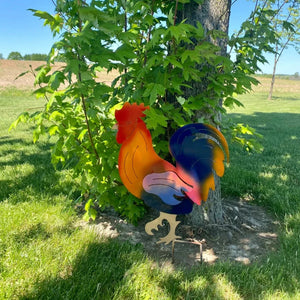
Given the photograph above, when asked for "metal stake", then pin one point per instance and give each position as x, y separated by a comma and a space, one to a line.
200, 243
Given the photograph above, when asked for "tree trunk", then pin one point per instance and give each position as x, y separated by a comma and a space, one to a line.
273, 77
212, 15
210, 211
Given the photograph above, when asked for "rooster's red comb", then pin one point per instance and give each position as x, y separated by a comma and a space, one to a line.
130, 111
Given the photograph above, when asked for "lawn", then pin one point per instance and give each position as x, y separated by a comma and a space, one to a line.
46, 254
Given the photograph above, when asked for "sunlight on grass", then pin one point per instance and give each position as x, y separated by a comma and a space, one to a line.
141, 281
17, 172
225, 289
266, 174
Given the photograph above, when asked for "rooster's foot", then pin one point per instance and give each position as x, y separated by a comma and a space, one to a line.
153, 225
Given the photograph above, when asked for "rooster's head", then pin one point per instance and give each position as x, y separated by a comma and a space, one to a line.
128, 117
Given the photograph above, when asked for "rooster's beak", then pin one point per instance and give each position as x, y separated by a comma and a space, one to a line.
115, 127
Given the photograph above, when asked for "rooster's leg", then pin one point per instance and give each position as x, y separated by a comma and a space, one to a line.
153, 225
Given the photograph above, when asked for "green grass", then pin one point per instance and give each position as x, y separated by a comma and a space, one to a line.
272, 177
45, 254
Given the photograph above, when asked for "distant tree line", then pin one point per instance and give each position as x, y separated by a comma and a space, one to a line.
15, 55
35, 56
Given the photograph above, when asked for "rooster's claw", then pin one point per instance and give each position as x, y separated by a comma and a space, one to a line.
153, 225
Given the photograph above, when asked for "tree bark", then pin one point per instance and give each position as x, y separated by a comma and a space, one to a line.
213, 15
273, 77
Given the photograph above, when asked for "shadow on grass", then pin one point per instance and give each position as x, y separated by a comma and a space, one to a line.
285, 98
95, 274
26, 166
35, 231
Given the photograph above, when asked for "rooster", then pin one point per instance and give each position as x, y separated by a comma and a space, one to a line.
198, 150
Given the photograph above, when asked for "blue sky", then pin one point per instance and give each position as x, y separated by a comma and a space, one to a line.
21, 31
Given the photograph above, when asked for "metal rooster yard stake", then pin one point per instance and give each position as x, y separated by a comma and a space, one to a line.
198, 150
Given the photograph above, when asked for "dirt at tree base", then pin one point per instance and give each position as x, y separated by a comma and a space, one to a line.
248, 235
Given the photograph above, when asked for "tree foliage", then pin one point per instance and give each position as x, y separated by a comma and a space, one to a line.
15, 55
36, 56
149, 50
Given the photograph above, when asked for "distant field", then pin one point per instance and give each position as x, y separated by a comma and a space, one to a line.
10, 69
282, 85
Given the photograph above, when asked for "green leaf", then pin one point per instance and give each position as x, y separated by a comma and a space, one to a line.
82, 134
55, 22
42, 76
288, 26
149, 20
179, 120
56, 79
193, 55
37, 132
56, 115
125, 52
171, 16
91, 213
23, 117
181, 100
95, 16
231, 102
157, 36
172, 60
200, 29
53, 129
176, 32
88, 204
155, 118
42, 15
22, 74
152, 90
41, 92
102, 89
